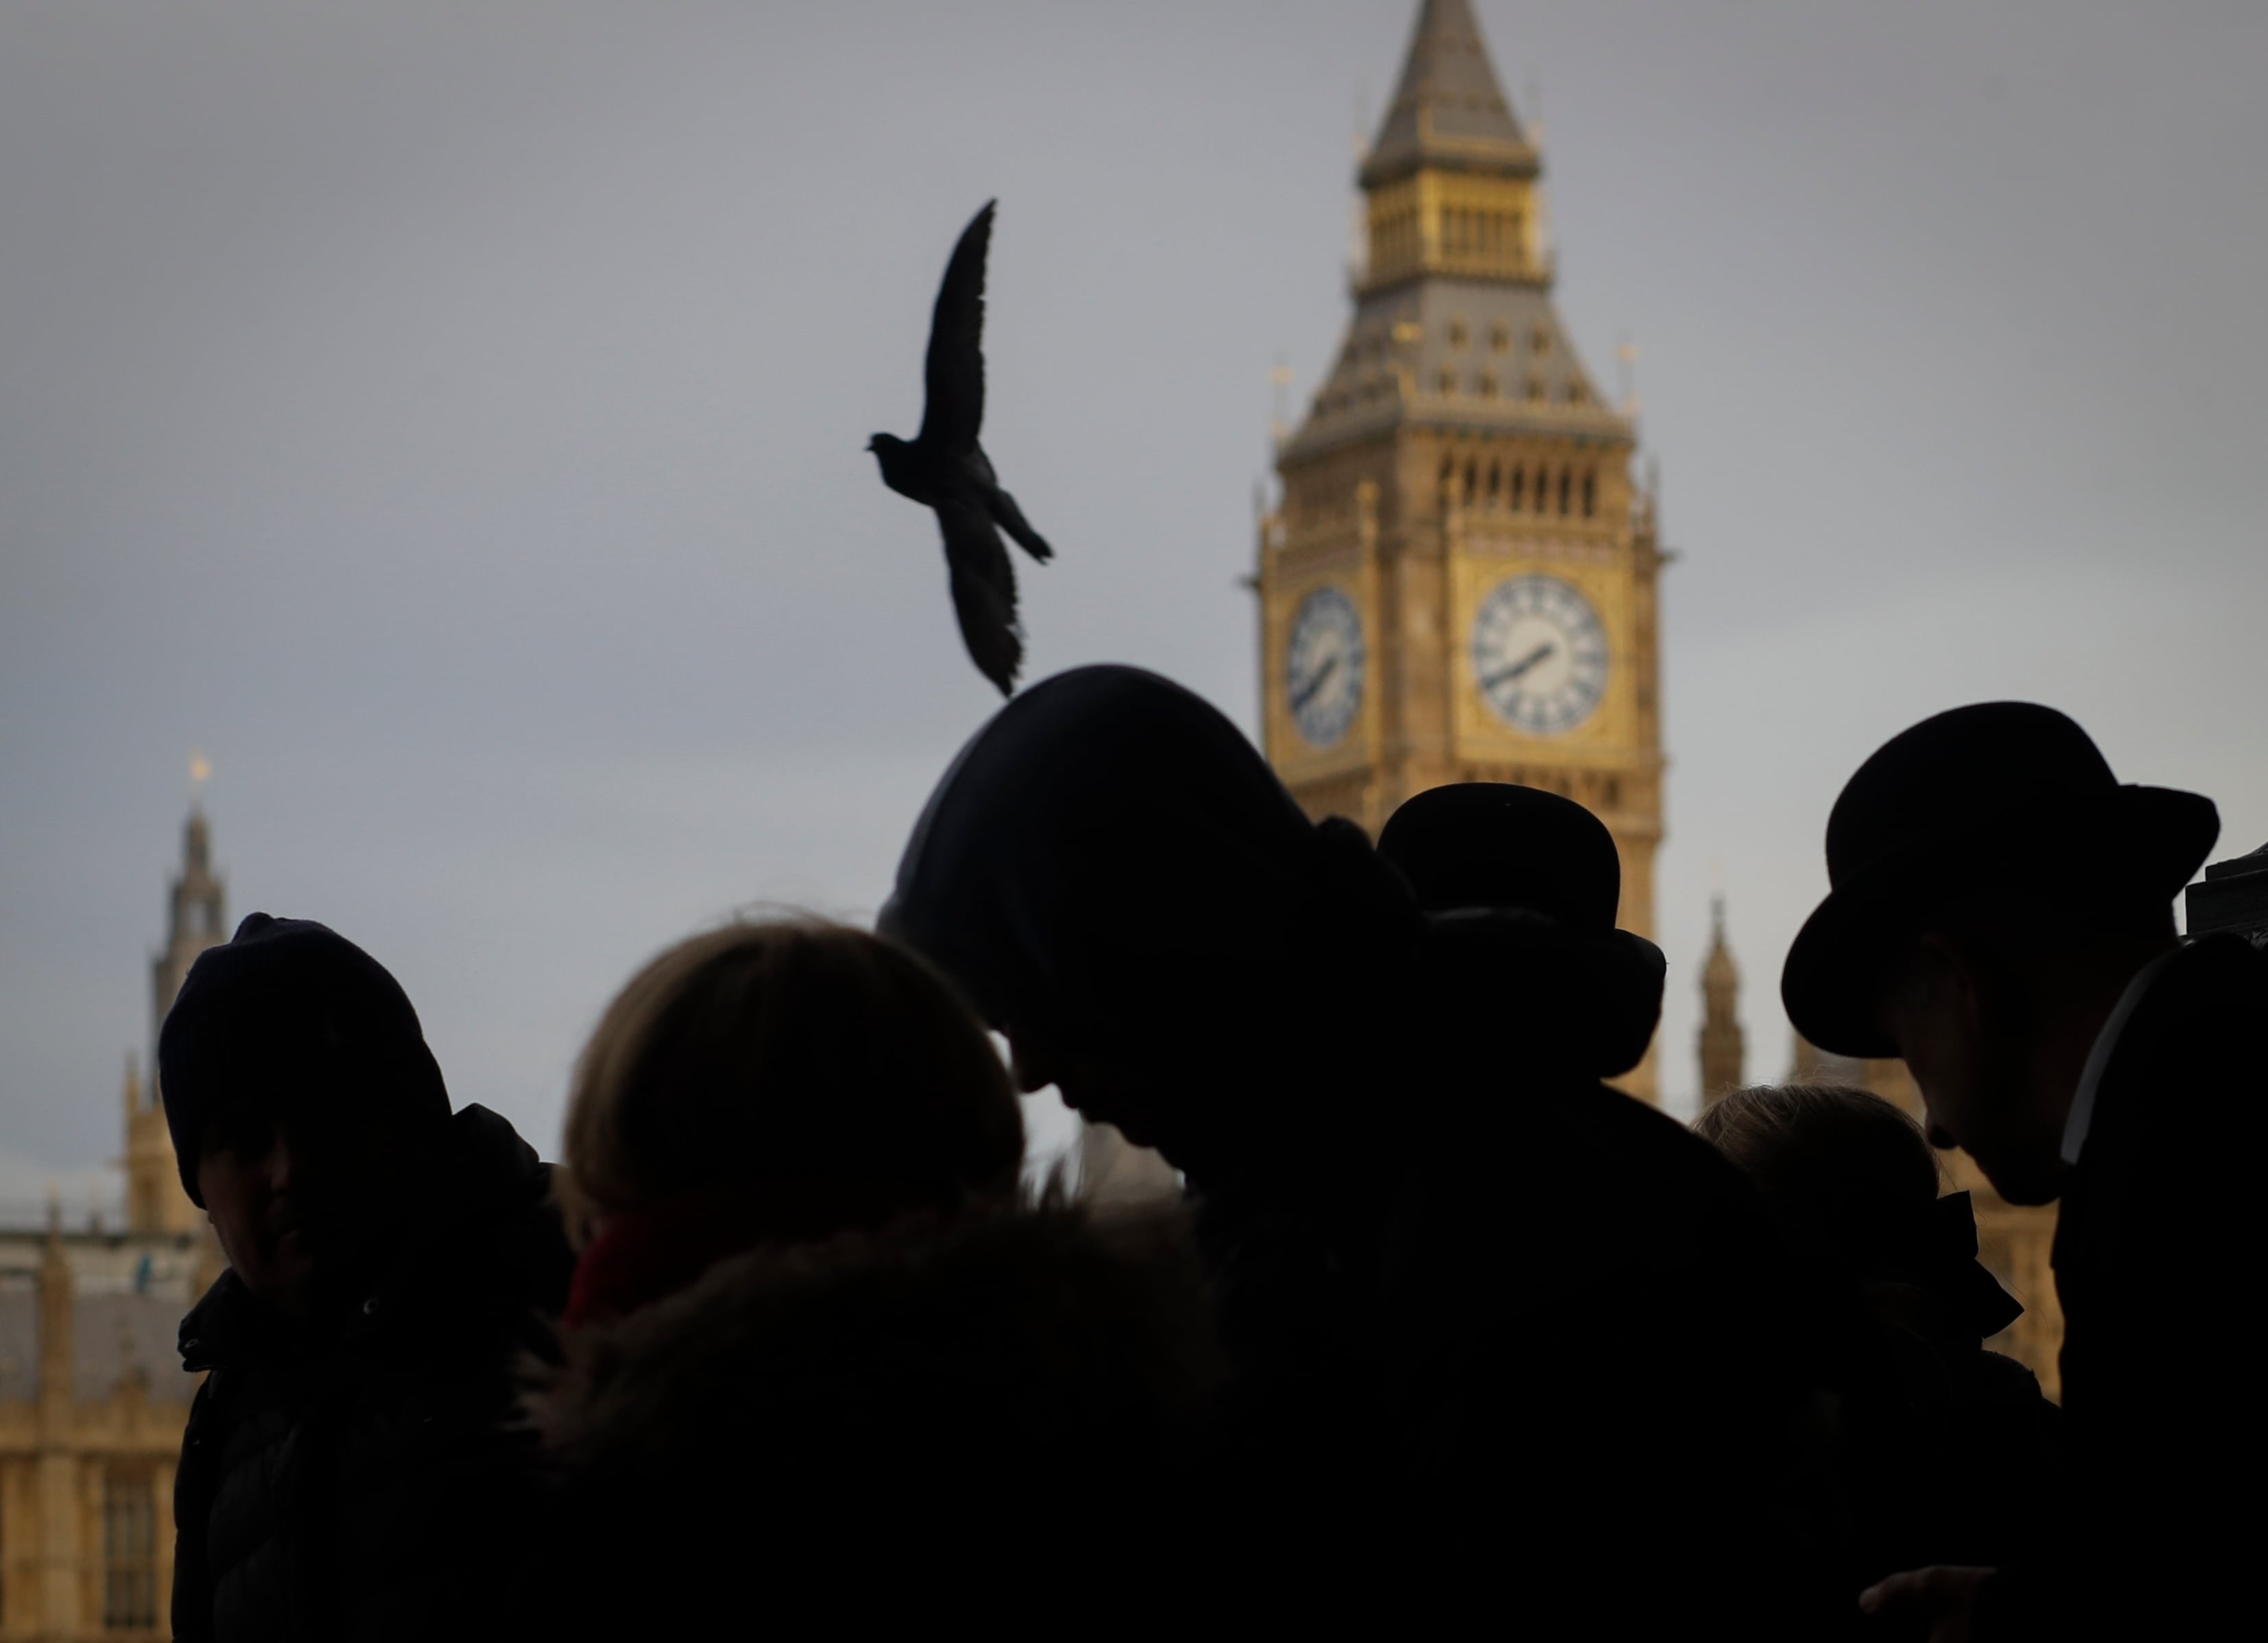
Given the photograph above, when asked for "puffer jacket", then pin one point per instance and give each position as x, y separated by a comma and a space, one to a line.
934, 1423
366, 1483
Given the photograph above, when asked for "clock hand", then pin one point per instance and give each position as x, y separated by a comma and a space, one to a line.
1305, 693
1505, 675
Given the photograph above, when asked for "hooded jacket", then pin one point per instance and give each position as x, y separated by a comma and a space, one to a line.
362, 1483
925, 1422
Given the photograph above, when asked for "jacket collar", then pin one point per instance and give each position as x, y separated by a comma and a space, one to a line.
487, 1170
2167, 980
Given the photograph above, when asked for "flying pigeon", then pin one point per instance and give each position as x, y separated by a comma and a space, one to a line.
943, 467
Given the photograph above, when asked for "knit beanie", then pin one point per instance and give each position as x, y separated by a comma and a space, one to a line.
287, 1009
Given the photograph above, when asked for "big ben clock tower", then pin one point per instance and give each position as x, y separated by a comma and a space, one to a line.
1458, 582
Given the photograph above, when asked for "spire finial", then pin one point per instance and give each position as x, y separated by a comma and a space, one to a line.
1447, 105
200, 772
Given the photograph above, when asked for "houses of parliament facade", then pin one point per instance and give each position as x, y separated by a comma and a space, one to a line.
1457, 584
93, 1398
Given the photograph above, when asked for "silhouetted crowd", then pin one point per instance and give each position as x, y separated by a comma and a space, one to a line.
1445, 1332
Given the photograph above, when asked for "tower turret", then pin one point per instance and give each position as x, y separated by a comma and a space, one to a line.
1722, 1045
198, 920
1452, 181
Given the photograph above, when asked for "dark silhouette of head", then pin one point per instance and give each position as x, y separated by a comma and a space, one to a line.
1113, 874
309, 1117
894, 455
1994, 889
1523, 886
1852, 1179
810, 1078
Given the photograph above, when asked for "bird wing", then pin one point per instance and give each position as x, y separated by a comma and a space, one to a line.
955, 374
984, 592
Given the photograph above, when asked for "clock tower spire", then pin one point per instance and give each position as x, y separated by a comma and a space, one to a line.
1458, 581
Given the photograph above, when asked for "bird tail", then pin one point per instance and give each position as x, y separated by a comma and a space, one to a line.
988, 624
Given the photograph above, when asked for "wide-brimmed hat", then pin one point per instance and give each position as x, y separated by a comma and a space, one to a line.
1979, 797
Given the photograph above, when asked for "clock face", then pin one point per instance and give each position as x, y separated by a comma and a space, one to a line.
1539, 654
1323, 665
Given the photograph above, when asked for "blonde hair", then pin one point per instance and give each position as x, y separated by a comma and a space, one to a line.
815, 1075
1840, 1163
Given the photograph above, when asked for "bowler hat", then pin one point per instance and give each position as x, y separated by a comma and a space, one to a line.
1944, 809
1500, 844
1516, 877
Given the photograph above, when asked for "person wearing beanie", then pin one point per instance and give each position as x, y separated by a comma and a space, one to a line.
348, 1470
2000, 916
1571, 1246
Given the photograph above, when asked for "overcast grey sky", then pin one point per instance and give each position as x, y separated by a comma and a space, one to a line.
450, 419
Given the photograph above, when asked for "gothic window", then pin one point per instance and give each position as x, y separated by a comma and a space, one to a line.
130, 1550
1456, 333
1472, 477
1448, 382
1488, 385
1590, 492
1535, 388
1519, 485
1576, 392
1539, 341
1566, 486
1499, 338
1495, 483
1512, 239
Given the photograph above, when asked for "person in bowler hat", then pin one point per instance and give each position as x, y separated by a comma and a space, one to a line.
1563, 1244
1999, 915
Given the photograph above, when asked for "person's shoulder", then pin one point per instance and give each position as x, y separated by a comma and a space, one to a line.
1002, 1319
2199, 1034
2211, 997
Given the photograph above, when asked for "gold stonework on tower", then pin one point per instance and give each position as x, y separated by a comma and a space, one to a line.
1457, 582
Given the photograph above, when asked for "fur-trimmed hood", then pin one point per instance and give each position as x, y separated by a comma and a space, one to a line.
912, 1401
